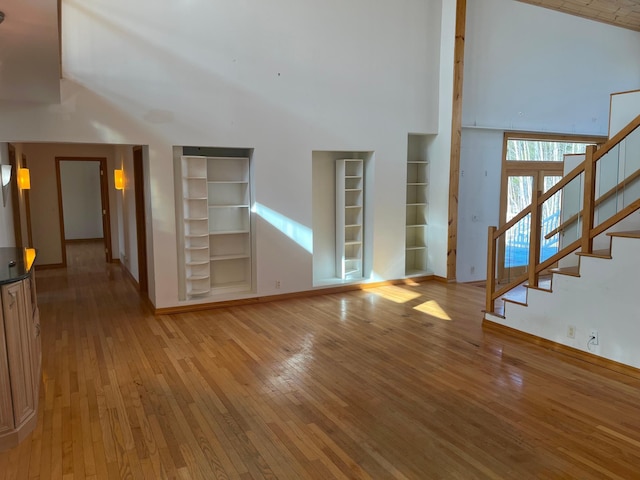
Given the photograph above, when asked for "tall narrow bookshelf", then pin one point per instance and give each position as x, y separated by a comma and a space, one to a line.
196, 226
349, 218
417, 210
217, 225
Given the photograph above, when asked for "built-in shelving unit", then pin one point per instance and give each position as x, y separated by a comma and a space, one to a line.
417, 210
217, 243
349, 218
196, 225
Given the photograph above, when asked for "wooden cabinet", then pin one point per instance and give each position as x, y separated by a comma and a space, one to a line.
349, 218
20, 360
216, 214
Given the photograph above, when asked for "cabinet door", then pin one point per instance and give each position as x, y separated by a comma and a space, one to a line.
33, 322
6, 407
17, 325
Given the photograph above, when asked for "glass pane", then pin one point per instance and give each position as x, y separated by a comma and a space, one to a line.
571, 208
516, 247
607, 189
542, 150
550, 220
632, 167
519, 190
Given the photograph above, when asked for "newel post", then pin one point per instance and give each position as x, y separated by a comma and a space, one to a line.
589, 198
491, 269
534, 238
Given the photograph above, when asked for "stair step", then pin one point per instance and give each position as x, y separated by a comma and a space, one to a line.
542, 289
517, 302
571, 271
629, 234
604, 253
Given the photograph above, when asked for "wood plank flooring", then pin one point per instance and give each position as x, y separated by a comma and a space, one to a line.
392, 383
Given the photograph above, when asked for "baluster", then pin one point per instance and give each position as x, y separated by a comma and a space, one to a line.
534, 238
589, 198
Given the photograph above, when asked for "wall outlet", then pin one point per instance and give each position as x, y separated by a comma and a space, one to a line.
277, 284
593, 337
571, 331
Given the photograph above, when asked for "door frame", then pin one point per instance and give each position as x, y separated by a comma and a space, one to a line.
104, 198
141, 226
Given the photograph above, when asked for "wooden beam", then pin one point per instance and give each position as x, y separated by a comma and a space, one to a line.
456, 134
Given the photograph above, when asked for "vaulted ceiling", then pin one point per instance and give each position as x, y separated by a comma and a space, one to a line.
30, 57
621, 13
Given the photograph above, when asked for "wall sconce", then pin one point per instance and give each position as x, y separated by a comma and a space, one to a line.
24, 179
6, 175
118, 179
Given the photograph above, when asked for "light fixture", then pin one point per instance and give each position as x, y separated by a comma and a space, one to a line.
29, 257
6, 175
24, 179
118, 179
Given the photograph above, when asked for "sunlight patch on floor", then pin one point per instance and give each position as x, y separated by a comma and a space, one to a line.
432, 308
396, 294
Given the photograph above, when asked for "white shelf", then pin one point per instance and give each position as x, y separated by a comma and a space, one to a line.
217, 217
349, 218
416, 212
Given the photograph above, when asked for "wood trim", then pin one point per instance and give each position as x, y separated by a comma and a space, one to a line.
563, 349
491, 269
141, 227
555, 137
60, 214
534, 238
436, 278
456, 137
288, 296
589, 196
49, 266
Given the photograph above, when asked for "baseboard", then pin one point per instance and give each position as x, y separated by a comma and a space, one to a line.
564, 349
130, 277
288, 296
49, 266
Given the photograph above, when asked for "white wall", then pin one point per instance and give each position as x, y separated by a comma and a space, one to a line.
282, 77
81, 199
7, 238
529, 69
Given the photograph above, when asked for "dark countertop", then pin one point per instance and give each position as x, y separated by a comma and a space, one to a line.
23, 258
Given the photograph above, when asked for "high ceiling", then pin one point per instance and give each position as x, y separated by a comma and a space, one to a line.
621, 13
30, 58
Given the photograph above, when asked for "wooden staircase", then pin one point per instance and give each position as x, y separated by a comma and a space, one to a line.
566, 303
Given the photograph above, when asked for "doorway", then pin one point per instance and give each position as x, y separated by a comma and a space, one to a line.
83, 203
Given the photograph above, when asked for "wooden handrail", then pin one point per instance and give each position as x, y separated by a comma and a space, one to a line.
585, 242
523, 213
631, 178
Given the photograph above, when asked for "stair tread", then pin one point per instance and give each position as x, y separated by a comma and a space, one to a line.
573, 271
627, 234
604, 253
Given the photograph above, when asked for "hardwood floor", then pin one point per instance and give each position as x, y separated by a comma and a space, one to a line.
394, 382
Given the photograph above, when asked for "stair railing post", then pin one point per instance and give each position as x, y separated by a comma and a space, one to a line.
491, 270
589, 199
534, 238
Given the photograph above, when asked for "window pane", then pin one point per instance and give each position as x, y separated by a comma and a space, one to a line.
540, 150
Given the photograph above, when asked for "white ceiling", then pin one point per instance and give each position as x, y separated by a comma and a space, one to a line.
29, 51
29, 41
